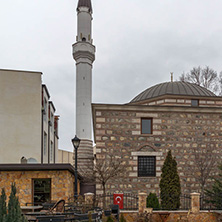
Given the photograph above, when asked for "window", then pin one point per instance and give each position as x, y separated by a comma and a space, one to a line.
194, 102
51, 152
52, 122
146, 126
45, 110
56, 119
45, 144
146, 166
41, 190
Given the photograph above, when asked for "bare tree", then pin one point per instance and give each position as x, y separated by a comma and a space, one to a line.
194, 76
104, 170
183, 77
205, 77
220, 84
205, 163
107, 169
209, 78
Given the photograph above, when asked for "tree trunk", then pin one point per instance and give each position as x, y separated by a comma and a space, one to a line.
104, 197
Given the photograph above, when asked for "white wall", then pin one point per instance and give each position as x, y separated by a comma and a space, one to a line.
65, 157
20, 115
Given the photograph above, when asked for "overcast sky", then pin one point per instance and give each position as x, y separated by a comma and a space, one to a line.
138, 43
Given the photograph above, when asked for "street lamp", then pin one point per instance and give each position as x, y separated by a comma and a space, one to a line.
76, 142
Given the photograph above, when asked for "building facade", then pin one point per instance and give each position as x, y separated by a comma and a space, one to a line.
29, 126
177, 116
65, 156
39, 183
182, 117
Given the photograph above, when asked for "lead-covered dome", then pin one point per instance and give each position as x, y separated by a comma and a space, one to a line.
173, 88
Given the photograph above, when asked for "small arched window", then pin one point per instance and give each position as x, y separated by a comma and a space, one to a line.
83, 39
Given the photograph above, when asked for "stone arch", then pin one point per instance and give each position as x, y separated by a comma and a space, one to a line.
146, 148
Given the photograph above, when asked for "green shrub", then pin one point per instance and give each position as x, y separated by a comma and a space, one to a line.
110, 219
214, 195
14, 210
170, 189
122, 219
3, 209
152, 201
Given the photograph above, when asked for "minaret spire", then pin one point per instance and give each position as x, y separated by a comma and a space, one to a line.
84, 55
84, 13
85, 3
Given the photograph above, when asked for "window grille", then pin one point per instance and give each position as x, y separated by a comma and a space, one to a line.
146, 166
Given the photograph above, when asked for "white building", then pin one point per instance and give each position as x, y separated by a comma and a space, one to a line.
29, 127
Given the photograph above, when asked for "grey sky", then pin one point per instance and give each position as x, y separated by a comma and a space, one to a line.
138, 43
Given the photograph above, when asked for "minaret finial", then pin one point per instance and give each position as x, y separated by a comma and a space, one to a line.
171, 76
85, 3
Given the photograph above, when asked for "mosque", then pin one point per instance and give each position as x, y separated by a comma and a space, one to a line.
178, 116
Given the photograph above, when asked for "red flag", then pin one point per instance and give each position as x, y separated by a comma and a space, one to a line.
118, 199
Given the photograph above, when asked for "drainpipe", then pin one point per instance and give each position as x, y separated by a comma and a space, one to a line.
54, 148
42, 137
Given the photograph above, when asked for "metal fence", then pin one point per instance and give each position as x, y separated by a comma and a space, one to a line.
213, 202
130, 201
185, 202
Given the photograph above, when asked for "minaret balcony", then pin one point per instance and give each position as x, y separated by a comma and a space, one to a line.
83, 50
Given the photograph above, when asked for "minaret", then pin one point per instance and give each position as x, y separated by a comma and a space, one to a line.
84, 55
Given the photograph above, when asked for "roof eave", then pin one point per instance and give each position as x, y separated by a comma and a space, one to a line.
38, 167
174, 96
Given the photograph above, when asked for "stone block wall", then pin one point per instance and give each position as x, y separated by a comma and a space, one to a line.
175, 216
184, 131
61, 183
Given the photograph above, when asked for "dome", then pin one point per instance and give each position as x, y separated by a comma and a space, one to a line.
173, 88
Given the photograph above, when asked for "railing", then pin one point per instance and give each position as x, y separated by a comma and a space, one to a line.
211, 203
185, 202
130, 201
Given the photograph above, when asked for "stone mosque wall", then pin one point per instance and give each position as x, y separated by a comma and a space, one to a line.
183, 130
